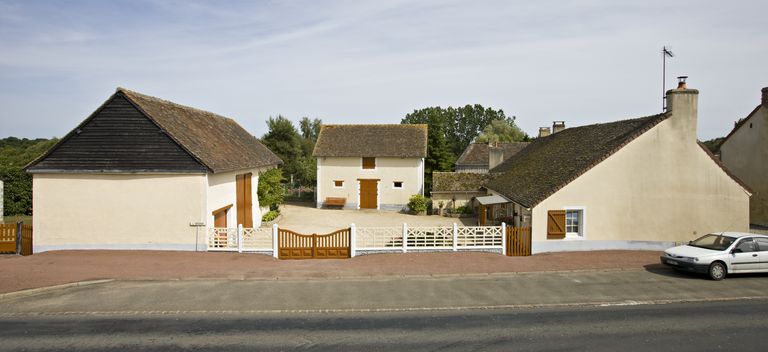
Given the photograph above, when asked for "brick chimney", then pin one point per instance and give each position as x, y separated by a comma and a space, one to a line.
683, 104
558, 126
765, 97
544, 131
495, 155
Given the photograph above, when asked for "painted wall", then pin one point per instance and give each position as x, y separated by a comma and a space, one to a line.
222, 192
745, 153
90, 211
448, 198
388, 170
659, 189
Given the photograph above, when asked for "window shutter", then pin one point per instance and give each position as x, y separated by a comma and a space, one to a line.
369, 163
555, 224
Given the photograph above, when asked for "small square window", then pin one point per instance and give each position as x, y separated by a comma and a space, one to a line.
397, 184
369, 163
338, 184
573, 219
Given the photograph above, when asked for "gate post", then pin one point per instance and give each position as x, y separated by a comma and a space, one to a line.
352, 240
503, 238
405, 237
274, 240
455, 237
239, 238
18, 237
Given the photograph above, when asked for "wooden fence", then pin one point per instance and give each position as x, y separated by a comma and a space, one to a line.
518, 241
9, 235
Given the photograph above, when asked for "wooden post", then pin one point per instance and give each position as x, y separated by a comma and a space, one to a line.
352, 240
405, 237
455, 237
503, 238
274, 241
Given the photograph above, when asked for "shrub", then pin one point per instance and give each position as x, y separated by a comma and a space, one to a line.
418, 203
270, 188
270, 215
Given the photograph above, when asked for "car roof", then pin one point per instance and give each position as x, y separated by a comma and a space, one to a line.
739, 234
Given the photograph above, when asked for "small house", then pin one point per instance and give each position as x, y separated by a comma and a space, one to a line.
643, 183
145, 173
370, 166
745, 152
481, 157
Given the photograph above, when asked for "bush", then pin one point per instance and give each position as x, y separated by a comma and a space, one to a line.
270, 188
270, 215
418, 203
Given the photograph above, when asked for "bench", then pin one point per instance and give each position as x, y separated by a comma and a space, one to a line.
335, 201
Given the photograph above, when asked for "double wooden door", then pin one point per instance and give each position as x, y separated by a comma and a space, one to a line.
369, 194
244, 200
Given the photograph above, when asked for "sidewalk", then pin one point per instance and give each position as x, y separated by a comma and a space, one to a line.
61, 267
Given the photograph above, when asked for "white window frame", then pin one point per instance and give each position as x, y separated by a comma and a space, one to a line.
334, 184
395, 187
582, 234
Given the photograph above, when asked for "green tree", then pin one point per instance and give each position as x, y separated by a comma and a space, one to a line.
466, 123
501, 131
270, 189
283, 140
439, 154
310, 129
15, 153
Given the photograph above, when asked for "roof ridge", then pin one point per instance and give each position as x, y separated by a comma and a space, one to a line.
165, 101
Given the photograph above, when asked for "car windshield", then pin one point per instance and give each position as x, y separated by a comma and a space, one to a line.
712, 241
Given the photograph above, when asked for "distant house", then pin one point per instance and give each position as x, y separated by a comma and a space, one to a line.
481, 157
643, 183
145, 173
745, 152
456, 189
370, 166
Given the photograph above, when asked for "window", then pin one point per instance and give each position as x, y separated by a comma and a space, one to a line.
573, 222
397, 184
762, 243
338, 184
369, 163
747, 245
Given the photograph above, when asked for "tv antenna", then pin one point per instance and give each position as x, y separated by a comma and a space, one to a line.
665, 53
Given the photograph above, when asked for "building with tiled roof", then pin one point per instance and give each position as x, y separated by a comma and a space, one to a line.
481, 157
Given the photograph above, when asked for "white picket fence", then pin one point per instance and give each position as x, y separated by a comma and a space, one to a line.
371, 239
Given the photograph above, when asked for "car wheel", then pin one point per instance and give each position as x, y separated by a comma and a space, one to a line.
717, 271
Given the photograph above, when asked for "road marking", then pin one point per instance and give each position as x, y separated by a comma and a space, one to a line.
378, 310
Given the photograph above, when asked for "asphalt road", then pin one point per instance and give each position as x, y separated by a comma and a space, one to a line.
725, 326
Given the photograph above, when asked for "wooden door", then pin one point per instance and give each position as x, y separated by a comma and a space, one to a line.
244, 200
368, 194
220, 219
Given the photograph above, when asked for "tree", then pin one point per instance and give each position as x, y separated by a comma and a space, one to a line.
310, 129
270, 188
283, 140
439, 155
501, 131
16, 153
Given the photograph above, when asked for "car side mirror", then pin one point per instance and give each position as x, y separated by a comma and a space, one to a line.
736, 250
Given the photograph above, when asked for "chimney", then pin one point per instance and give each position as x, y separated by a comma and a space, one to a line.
558, 126
765, 97
495, 156
544, 131
683, 103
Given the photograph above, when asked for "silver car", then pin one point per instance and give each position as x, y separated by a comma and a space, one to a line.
719, 254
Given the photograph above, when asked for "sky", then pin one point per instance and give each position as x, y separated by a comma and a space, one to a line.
375, 61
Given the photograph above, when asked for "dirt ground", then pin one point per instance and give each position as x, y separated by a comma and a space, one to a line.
304, 217
60, 267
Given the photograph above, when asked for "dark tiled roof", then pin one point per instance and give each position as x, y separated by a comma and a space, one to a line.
404, 141
549, 163
459, 181
476, 154
216, 141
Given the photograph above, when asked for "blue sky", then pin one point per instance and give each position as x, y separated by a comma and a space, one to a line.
375, 61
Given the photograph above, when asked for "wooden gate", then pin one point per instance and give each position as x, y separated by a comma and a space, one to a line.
518, 241
8, 237
292, 245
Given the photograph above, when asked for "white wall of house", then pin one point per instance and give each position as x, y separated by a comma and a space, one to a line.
659, 189
409, 171
745, 153
221, 191
117, 211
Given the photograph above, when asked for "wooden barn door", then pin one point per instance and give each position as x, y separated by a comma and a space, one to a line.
368, 194
244, 200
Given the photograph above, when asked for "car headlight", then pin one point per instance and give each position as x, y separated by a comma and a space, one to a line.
695, 259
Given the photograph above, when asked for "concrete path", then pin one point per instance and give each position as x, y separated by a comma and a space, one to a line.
394, 294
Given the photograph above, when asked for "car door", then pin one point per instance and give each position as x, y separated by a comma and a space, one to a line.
745, 256
762, 246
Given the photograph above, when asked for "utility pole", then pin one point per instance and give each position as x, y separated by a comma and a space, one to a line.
665, 53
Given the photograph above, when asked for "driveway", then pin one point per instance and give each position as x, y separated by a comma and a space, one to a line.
304, 217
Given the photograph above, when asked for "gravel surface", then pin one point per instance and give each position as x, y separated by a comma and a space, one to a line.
60, 267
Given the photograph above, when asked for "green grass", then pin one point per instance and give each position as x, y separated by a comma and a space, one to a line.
12, 219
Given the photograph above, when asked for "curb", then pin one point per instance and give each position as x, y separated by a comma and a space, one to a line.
39, 290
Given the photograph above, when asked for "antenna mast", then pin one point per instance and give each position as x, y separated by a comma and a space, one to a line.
664, 54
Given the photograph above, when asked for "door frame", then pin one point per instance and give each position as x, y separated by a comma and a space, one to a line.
378, 191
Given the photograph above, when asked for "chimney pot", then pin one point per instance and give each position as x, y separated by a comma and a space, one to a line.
544, 131
681, 82
558, 126
765, 97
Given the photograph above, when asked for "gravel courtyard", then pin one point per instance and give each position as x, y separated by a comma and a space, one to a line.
304, 217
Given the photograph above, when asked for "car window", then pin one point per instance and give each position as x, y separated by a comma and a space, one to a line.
762, 243
747, 245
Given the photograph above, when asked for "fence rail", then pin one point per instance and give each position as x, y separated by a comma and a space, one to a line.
10, 234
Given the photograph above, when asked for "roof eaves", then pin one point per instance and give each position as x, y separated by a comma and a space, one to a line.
739, 124
725, 169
